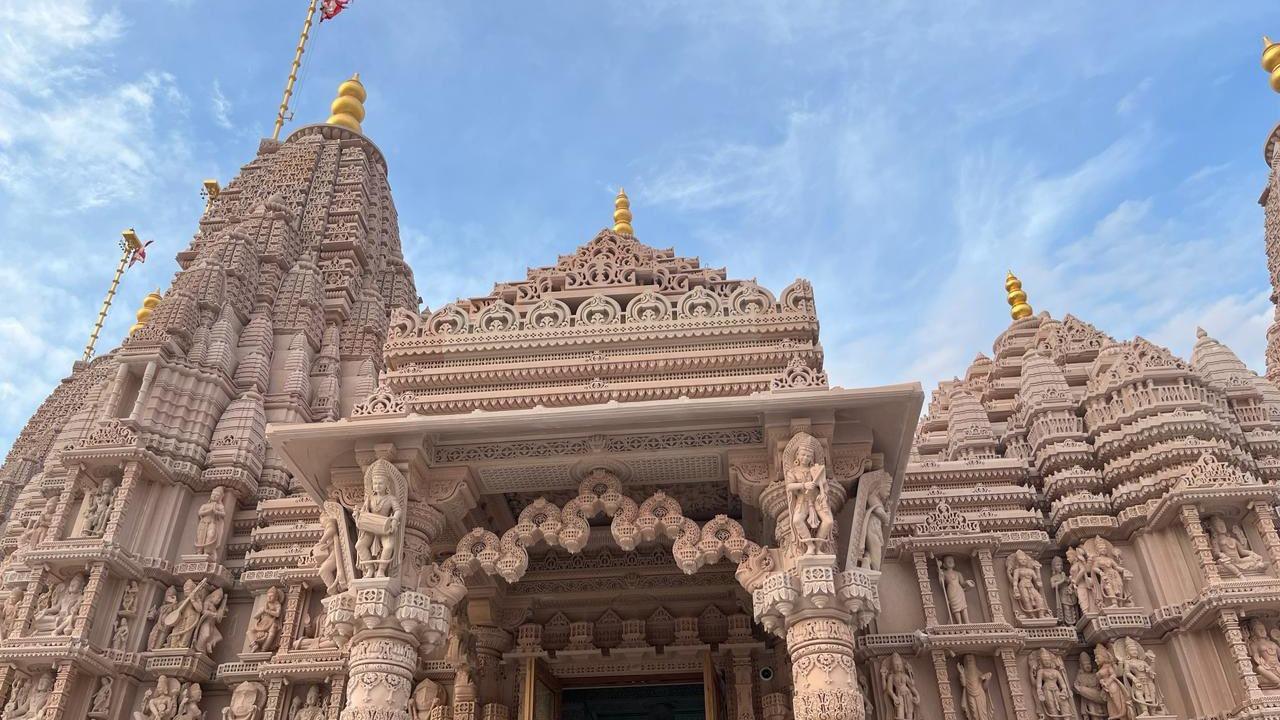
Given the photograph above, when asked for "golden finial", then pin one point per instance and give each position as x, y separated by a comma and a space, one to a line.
622, 214
149, 304
348, 107
1018, 307
1271, 61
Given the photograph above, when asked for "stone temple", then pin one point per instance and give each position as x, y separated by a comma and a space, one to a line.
618, 488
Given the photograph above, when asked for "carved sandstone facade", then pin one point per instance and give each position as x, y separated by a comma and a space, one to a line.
625, 469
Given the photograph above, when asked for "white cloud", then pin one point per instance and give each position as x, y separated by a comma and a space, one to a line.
221, 107
80, 141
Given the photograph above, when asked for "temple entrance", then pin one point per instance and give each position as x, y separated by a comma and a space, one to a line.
635, 702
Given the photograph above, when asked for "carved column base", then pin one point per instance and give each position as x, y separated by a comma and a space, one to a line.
380, 681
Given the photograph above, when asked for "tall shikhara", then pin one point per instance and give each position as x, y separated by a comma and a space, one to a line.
146, 469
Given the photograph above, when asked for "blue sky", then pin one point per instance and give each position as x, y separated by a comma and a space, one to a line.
901, 155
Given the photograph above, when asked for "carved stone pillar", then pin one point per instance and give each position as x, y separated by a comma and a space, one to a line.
774, 706
337, 691
292, 615
921, 561
743, 685
1017, 692
274, 707
1229, 621
986, 565
945, 697
56, 707
819, 634
380, 670
92, 590
1264, 514
128, 486
1190, 515
491, 643
66, 503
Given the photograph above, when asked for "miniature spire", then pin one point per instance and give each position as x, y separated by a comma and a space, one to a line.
149, 304
1018, 307
622, 214
1271, 61
348, 107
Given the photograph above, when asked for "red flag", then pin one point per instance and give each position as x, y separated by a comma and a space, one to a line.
330, 8
139, 255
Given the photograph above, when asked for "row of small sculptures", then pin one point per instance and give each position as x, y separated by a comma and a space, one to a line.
1097, 578
172, 699
1117, 683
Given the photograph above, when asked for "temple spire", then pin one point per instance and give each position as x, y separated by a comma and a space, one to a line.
1018, 307
1271, 61
348, 107
622, 214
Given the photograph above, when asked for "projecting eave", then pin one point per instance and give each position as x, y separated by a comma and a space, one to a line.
890, 412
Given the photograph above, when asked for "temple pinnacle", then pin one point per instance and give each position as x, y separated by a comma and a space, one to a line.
622, 214
1271, 61
348, 107
1018, 307
149, 304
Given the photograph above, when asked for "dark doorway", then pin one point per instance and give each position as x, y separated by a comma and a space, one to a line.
634, 702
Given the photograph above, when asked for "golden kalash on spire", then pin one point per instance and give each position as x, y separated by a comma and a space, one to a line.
622, 214
1271, 61
149, 304
348, 107
1018, 307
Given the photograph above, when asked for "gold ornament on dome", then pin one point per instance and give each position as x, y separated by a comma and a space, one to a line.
348, 107
622, 214
1271, 61
1018, 307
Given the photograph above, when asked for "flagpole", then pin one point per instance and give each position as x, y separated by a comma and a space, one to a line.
128, 246
293, 71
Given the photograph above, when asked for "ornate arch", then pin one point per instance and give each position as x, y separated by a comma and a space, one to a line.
660, 516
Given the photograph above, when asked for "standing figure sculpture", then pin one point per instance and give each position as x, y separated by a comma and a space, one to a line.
215, 609
1099, 575
900, 687
1265, 653
212, 521
324, 554
246, 700
99, 509
37, 528
184, 620
974, 697
189, 704
101, 702
1231, 549
9, 612
265, 629
1137, 668
1093, 701
1117, 693
1049, 678
380, 520
1026, 586
160, 631
312, 708
423, 699
876, 522
1066, 603
804, 474
953, 587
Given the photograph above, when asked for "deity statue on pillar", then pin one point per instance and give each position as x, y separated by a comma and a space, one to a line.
380, 520
804, 474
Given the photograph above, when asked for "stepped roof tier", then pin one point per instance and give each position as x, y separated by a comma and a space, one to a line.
616, 320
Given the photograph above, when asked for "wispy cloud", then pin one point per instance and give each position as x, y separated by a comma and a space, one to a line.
221, 107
